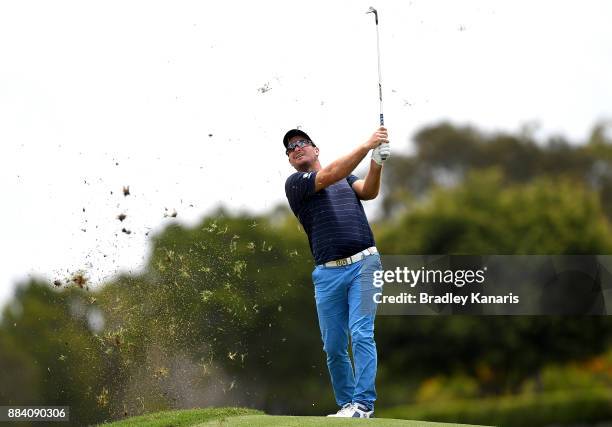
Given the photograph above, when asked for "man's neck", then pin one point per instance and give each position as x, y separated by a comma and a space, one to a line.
311, 168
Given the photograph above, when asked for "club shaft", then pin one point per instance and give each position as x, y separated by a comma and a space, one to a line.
380, 99
382, 119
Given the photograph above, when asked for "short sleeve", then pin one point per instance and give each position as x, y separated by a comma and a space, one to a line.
351, 179
299, 186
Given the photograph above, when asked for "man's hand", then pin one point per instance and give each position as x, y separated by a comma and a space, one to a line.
377, 138
381, 153
368, 188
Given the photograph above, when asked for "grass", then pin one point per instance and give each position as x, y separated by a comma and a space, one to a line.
243, 417
185, 417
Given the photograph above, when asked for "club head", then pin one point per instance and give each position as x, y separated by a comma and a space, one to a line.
372, 10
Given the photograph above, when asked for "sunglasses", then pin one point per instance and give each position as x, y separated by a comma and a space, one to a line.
299, 143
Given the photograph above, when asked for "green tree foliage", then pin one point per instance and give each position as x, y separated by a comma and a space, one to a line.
486, 216
48, 354
446, 153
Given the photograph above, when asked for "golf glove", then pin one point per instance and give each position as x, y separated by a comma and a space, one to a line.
381, 153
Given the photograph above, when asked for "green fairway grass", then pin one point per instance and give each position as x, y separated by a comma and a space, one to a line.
185, 417
286, 421
243, 417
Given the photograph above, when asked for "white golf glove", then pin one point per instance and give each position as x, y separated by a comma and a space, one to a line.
381, 153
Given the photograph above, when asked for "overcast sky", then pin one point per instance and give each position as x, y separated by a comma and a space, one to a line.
186, 102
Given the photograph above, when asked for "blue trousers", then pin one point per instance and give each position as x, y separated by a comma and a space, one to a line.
344, 299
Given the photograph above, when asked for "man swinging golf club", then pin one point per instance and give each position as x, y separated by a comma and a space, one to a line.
327, 202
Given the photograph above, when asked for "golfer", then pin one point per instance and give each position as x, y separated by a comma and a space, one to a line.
327, 202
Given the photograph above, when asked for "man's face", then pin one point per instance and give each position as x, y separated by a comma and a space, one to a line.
302, 158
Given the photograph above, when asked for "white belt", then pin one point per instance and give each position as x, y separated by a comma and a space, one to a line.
351, 259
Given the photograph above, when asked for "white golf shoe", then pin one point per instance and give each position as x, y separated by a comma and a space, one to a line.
353, 410
346, 411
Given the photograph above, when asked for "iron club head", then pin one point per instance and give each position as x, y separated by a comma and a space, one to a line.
372, 10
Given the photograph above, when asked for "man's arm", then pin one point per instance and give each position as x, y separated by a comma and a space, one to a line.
368, 188
342, 167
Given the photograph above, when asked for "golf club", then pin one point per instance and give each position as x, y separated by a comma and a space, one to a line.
382, 118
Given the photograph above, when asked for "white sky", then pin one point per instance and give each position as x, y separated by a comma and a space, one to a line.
85, 85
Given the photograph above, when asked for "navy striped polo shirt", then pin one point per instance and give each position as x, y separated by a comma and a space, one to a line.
333, 217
